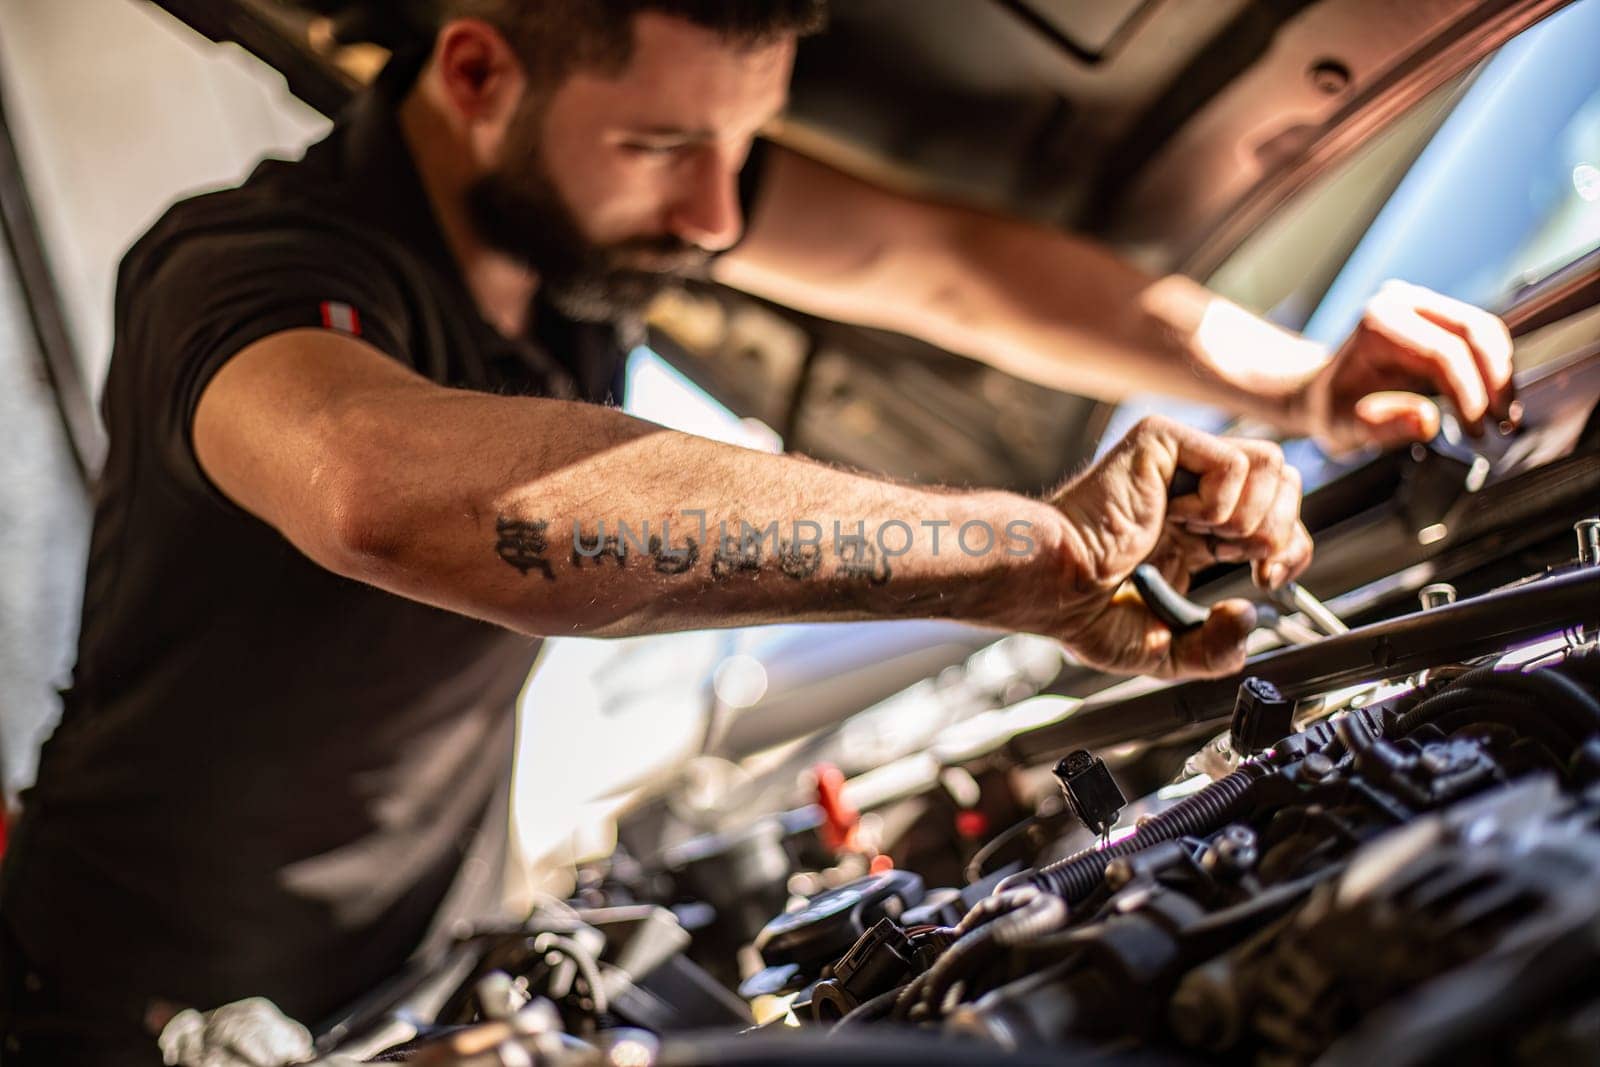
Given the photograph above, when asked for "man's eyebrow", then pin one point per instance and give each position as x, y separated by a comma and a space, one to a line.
672, 133
691, 134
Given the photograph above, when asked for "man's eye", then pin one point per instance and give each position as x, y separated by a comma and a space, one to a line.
659, 151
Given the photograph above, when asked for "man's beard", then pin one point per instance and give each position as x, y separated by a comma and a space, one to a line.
523, 215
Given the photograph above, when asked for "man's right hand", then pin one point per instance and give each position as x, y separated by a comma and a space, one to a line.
1118, 516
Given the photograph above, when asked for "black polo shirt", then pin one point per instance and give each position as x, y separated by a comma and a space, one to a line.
266, 776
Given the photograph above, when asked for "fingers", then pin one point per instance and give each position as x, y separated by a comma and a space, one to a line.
1216, 647
1127, 639
1420, 347
1246, 508
1224, 468
1286, 563
1486, 335
1263, 487
1461, 350
1393, 419
1280, 549
1248, 502
1181, 554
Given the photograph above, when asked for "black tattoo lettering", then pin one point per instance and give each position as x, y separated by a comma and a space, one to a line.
674, 560
734, 555
859, 558
604, 545
523, 545
799, 560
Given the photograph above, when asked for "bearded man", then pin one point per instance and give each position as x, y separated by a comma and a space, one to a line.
357, 405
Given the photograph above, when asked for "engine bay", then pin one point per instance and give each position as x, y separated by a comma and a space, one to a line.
1376, 845
1397, 867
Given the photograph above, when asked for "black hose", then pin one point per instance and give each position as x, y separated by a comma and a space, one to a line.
1546, 693
1077, 876
1519, 720
1023, 914
981, 858
1371, 753
1447, 702
1551, 686
1043, 915
908, 995
990, 907
1583, 664
869, 1010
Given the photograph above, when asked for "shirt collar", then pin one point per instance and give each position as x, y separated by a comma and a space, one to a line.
382, 174
387, 192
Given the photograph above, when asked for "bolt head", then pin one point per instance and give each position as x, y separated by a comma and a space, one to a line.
1316, 766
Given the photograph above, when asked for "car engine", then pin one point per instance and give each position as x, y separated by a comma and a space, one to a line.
1386, 850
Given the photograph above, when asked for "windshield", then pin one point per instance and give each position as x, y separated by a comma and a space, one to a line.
1490, 183
1506, 192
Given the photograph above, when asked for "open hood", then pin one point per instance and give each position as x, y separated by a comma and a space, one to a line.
1148, 122
1166, 127
1180, 132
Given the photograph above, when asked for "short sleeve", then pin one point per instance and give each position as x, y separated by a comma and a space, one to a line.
212, 296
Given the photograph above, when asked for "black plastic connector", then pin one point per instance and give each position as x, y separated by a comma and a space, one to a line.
1092, 794
879, 961
1261, 716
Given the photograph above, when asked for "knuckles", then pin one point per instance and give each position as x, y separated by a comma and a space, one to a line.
1265, 458
1153, 427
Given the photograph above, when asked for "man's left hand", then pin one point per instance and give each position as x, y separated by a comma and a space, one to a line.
1411, 342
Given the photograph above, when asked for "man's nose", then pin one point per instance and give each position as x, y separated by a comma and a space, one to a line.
707, 212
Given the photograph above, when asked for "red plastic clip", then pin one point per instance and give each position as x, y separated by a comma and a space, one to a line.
841, 824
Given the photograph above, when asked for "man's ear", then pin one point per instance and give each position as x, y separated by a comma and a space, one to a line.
482, 78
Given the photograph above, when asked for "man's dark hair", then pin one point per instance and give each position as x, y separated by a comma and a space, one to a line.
555, 37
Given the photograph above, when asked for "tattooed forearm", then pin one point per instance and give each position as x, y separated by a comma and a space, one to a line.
735, 555
523, 545
614, 547
799, 561
737, 548
860, 559
674, 560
